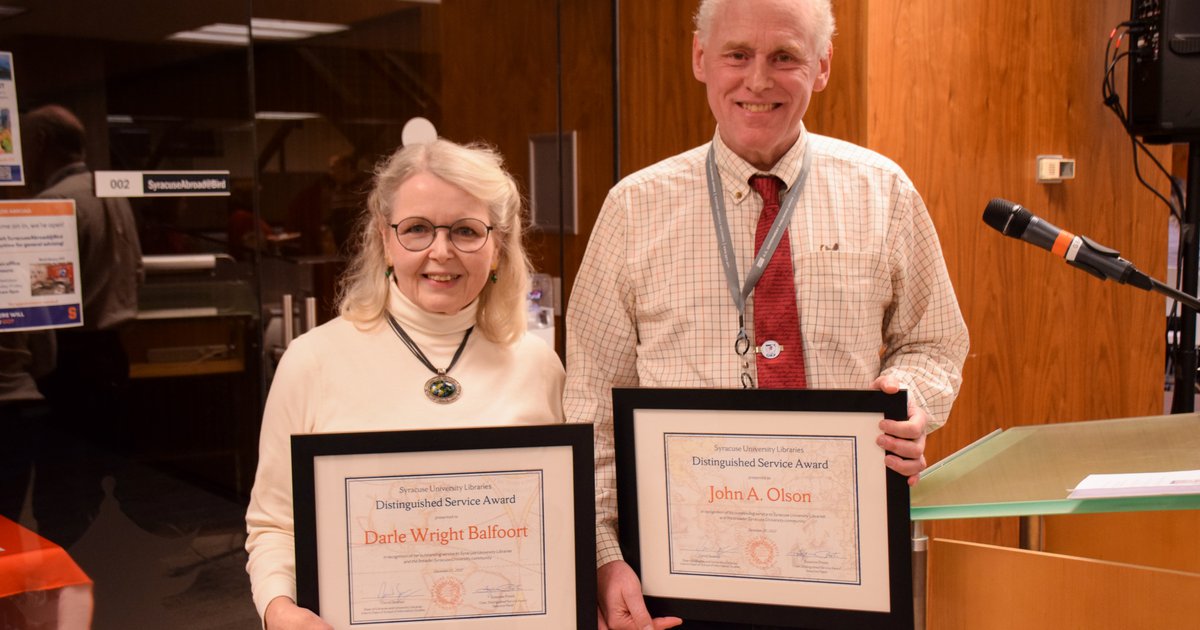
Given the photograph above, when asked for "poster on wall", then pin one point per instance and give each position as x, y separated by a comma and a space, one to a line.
11, 173
39, 265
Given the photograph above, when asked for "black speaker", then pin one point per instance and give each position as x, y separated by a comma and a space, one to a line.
1164, 70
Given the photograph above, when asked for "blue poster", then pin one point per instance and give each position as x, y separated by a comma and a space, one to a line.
11, 173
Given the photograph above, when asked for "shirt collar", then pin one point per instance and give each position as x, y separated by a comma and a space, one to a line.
73, 168
736, 172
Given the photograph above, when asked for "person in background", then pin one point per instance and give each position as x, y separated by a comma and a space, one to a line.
87, 389
246, 234
431, 335
323, 216
326, 212
344, 204
653, 304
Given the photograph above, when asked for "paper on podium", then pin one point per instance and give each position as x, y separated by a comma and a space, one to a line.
1137, 484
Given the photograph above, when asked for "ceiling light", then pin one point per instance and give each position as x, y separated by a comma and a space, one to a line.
210, 38
221, 28
273, 33
312, 28
260, 28
286, 115
242, 31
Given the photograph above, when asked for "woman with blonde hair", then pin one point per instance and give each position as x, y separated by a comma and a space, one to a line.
431, 335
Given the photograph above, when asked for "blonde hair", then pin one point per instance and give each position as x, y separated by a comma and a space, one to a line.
478, 169
821, 12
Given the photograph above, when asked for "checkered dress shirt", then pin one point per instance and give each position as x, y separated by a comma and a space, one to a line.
651, 306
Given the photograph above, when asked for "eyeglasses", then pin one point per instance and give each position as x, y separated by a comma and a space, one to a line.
741, 345
417, 234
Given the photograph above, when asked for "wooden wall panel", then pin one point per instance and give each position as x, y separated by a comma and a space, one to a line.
588, 77
840, 110
663, 110
663, 107
500, 88
964, 96
504, 87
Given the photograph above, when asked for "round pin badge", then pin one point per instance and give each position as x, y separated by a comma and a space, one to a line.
770, 349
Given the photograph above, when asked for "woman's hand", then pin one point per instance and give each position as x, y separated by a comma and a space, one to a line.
283, 614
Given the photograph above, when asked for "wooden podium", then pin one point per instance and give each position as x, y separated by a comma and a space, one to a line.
1028, 472
982, 587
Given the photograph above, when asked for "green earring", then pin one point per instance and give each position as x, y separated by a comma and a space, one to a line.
388, 273
494, 278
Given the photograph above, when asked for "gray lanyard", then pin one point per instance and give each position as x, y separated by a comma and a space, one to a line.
716, 196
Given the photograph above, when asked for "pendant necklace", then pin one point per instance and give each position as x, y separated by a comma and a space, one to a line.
442, 388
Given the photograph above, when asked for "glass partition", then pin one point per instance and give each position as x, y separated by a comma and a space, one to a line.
293, 101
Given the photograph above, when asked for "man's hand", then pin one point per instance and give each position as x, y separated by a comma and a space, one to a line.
619, 597
283, 614
903, 439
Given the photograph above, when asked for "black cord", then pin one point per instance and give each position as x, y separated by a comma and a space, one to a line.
416, 350
1137, 144
1112, 99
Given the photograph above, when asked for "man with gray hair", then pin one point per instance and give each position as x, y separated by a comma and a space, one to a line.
866, 299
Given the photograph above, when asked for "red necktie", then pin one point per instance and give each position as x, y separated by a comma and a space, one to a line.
775, 315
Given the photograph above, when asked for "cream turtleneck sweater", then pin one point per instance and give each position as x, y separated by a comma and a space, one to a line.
339, 378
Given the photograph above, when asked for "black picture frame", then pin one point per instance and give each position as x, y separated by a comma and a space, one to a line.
627, 405
402, 453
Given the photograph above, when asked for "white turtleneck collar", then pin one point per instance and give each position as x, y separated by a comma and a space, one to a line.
415, 318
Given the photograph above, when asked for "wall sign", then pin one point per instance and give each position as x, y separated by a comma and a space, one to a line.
162, 183
39, 265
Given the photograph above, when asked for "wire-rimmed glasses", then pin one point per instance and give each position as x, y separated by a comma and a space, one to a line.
741, 345
466, 235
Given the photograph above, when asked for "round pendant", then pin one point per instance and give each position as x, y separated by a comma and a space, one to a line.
770, 349
442, 389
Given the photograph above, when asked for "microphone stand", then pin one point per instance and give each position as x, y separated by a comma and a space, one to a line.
1175, 294
1184, 399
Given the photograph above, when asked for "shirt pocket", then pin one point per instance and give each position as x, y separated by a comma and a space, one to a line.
843, 297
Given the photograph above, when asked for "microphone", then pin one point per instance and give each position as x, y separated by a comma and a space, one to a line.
1012, 219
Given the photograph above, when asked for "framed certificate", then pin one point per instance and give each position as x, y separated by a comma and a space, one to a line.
465, 528
766, 507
